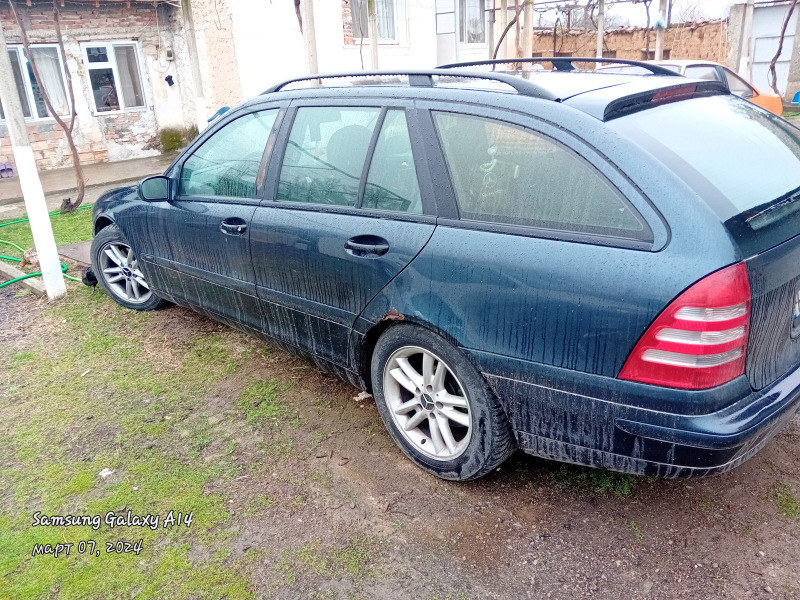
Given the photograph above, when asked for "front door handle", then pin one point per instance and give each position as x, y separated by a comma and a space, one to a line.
367, 246
233, 226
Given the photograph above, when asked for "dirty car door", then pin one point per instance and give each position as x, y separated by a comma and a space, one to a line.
199, 252
345, 216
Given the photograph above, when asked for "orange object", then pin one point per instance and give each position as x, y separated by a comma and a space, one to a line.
705, 69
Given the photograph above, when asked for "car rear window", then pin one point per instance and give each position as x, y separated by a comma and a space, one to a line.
748, 155
506, 174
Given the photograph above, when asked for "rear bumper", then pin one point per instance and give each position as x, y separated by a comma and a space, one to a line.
636, 428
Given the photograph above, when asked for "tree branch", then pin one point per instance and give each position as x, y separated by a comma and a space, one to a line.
66, 206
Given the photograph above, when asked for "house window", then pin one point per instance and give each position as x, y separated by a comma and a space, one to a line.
51, 70
472, 21
113, 71
652, 54
385, 13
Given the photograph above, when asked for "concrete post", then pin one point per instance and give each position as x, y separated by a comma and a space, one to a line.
503, 24
661, 32
32, 191
601, 25
200, 108
527, 34
745, 60
309, 36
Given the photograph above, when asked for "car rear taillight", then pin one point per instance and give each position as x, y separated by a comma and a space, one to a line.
700, 340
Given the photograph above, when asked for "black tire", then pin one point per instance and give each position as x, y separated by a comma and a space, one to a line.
483, 446
111, 238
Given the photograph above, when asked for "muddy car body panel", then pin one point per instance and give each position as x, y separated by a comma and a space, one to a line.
549, 314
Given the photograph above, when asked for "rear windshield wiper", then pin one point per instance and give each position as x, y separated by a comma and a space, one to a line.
777, 211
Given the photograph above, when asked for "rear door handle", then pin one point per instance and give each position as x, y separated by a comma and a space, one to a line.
366, 245
233, 226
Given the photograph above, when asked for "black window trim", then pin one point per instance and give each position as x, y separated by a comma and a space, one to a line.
643, 242
177, 172
273, 169
373, 142
725, 72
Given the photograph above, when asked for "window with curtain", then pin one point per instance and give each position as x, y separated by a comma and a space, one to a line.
472, 21
114, 76
385, 13
51, 71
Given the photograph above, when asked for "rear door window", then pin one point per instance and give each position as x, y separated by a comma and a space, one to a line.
325, 155
506, 174
227, 163
392, 181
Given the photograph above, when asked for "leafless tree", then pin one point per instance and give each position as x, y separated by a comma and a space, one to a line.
647, 27
66, 205
691, 12
773, 76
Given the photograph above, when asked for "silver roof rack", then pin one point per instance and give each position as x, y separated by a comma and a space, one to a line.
425, 79
565, 63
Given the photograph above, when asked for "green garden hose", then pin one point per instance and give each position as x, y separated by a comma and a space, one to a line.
2, 256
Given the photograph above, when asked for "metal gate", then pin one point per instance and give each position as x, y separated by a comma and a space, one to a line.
767, 23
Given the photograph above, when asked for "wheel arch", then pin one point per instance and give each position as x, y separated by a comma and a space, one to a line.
101, 223
395, 319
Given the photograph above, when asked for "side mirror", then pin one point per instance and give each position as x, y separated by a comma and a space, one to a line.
154, 188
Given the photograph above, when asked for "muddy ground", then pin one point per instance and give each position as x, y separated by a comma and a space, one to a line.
531, 529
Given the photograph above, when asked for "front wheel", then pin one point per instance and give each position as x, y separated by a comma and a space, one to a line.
437, 406
117, 270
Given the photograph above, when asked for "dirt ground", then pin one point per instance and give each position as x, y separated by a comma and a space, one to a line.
531, 529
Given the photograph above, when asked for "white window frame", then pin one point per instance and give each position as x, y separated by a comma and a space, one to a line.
112, 64
398, 7
486, 26
26, 80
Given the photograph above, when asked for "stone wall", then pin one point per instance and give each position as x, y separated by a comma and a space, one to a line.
114, 135
704, 41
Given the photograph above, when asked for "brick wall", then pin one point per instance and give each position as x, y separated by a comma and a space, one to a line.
347, 23
103, 137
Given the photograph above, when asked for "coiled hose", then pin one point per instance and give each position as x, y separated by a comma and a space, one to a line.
15, 259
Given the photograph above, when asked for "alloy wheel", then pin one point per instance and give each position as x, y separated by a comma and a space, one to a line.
427, 403
120, 269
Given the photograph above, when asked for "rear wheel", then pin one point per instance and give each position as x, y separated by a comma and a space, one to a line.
116, 267
437, 406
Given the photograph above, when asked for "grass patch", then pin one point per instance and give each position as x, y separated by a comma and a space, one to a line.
787, 501
67, 229
351, 560
260, 404
637, 531
100, 389
599, 481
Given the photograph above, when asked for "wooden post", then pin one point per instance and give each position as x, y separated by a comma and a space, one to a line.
601, 25
200, 108
32, 191
309, 36
503, 26
372, 13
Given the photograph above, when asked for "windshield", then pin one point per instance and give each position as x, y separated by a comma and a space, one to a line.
738, 157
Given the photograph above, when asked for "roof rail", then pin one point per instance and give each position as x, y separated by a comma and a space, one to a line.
565, 63
425, 79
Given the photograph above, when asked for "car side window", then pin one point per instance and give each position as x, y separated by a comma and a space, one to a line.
392, 181
708, 72
506, 174
739, 86
227, 163
325, 155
